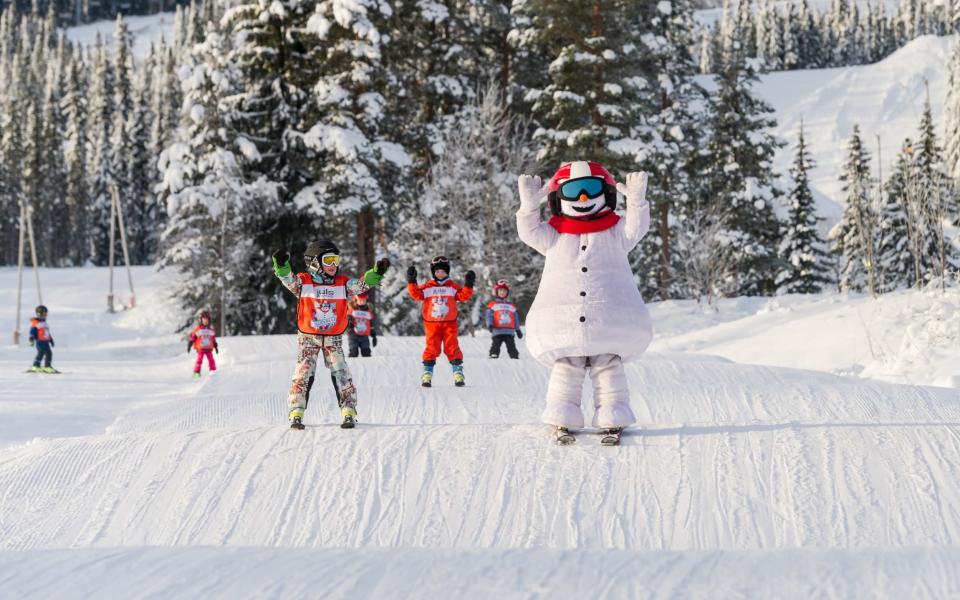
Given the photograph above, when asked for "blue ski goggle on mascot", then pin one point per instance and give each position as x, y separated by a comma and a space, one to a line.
591, 187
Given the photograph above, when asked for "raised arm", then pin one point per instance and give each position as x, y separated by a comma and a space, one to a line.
283, 271
530, 227
413, 288
466, 292
637, 221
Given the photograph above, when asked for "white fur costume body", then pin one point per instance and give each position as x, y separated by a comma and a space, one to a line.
588, 315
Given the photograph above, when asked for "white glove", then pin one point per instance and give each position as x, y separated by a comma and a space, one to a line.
635, 190
531, 192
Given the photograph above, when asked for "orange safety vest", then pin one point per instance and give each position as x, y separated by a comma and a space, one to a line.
440, 301
322, 308
504, 314
362, 320
203, 337
43, 330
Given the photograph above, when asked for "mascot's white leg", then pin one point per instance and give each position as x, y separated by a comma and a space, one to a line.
611, 397
564, 393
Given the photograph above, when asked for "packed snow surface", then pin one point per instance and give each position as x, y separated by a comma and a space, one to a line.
123, 477
144, 30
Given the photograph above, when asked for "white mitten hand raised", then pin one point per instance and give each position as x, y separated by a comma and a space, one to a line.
635, 190
531, 192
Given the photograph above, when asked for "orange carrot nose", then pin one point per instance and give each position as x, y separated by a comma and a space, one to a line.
583, 197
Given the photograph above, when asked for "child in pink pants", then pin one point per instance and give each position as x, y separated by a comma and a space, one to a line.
203, 339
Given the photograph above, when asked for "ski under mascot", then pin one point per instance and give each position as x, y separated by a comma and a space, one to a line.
588, 315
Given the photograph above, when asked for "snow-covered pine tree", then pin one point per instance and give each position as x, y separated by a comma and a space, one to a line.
51, 196
121, 140
215, 214
675, 129
739, 174
278, 61
593, 105
802, 247
74, 109
895, 251
791, 39
854, 235
467, 209
951, 116
100, 168
145, 217
937, 197
352, 135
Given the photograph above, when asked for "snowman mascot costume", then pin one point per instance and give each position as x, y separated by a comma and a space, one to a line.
588, 315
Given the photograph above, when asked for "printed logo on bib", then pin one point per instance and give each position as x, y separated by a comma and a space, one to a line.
324, 317
324, 292
504, 318
440, 307
361, 326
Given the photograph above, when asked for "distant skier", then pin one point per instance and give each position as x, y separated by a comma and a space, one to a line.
203, 339
321, 320
361, 328
42, 339
440, 296
588, 316
503, 321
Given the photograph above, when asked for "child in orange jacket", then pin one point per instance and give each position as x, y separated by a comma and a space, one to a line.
440, 296
203, 339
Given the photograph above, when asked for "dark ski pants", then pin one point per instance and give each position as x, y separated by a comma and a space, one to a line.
359, 345
499, 340
44, 353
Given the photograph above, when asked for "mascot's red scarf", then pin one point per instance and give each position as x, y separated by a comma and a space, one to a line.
600, 222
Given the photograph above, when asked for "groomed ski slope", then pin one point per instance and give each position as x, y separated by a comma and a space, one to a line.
742, 480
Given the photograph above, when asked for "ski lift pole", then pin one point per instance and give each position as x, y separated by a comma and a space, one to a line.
16, 329
110, 255
123, 242
33, 251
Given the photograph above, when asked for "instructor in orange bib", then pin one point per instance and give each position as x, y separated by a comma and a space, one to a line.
440, 296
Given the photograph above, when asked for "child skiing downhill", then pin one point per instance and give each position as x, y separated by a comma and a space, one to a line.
42, 339
321, 321
203, 339
361, 328
588, 316
503, 321
440, 296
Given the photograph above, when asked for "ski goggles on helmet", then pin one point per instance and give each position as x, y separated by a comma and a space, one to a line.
573, 189
327, 260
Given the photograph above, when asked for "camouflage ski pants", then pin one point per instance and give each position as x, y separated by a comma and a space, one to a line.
309, 349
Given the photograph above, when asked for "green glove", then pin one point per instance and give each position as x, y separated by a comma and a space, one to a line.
372, 278
282, 269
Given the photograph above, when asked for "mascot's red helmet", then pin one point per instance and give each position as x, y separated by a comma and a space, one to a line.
578, 170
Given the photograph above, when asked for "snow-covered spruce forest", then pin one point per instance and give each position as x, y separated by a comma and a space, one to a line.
398, 128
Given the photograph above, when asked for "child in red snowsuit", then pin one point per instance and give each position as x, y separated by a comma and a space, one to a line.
203, 339
440, 296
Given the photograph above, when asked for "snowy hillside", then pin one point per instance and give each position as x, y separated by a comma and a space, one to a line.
145, 30
885, 99
123, 477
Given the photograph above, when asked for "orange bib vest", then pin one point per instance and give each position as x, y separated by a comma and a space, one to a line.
504, 315
203, 338
322, 308
43, 330
361, 321
439, 302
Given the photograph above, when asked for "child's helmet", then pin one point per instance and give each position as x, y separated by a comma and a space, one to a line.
41, 311
578, 170
315, 252
501, 285
439, 262
203, 313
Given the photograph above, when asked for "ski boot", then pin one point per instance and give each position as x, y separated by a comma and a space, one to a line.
296, 419
196, 374
458, 379
611, 436
49, 369
494, 355
426, 380
564, 437
35, 369
349, 417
